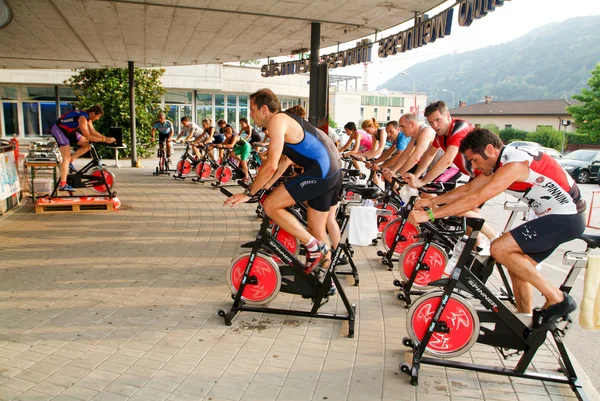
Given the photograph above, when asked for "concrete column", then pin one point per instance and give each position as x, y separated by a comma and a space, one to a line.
57, 97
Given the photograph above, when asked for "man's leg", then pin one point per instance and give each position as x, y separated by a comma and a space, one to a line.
84, 147
65, 152
333, 228
275, 205
523, 294
508, 253
169, 147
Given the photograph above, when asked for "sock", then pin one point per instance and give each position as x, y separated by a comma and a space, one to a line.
496, 236
62, 183
313, 245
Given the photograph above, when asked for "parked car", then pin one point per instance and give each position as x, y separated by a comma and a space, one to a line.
583, 164
524, 143
549, 151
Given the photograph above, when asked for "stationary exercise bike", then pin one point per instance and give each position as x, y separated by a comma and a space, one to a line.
186, 163
206, 166
255, 279
93, 175
444, 324
228, 170
164, 163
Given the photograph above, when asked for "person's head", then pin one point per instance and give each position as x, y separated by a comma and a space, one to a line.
370, 126
263, 105
221, 123
185, 121
207, 122
409, 124
350, 128
244, 123
392, 128
162, 117
297, 110
95, 112
482, 148
265, 130
438, 117
228, 131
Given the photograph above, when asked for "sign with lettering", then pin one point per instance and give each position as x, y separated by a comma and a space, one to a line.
424, 31
359, 54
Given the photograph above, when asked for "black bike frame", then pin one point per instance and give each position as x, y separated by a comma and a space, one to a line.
515, 333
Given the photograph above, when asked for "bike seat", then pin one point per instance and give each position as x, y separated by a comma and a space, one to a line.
593, 241
365, 192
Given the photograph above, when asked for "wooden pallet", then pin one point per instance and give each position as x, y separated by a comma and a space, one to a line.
75, 206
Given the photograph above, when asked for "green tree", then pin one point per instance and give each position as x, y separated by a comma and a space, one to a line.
109, 87
510, 134
587, 114
492, 127
332, 123
548, 137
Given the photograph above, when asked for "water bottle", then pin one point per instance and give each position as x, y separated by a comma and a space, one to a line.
458, 248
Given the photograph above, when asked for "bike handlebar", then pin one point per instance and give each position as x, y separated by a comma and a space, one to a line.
225, 192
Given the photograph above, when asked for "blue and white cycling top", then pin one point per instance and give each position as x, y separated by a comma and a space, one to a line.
402, 141
315, 152
165, 128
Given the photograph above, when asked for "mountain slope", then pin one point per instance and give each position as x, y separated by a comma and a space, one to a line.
550, 62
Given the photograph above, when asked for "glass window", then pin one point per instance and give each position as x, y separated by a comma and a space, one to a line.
67, 94
389, 114
507, 126
39, 93
178, 97
397, 101
219, 113
231, 101
8, 92
11, 123
64, 107
243, 101
244, 114
203, 112
375, 113
203, 99
48, 110
477, 125
231, 118
362, 113
219, 100
31, 119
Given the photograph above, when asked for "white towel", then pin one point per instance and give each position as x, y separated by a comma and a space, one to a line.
362, 225
589, 313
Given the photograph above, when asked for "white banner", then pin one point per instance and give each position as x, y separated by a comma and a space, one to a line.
9, 177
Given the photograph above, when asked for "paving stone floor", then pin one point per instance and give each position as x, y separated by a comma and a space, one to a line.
123, 306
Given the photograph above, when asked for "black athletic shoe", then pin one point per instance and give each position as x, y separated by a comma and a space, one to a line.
343, 260
547, 318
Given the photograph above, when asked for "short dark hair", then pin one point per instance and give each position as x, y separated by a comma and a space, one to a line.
393, 124
244, 120
266, 97
221, 121
436, 106
96, 109
478, 139
350, 126
184, 118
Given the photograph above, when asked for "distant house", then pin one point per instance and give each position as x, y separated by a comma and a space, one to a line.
526, 115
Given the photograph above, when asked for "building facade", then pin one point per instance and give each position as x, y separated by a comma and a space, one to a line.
357, 106
33, 99
526, 115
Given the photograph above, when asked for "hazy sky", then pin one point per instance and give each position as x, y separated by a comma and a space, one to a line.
508, 22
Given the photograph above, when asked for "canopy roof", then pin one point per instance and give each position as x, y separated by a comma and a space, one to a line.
109, 33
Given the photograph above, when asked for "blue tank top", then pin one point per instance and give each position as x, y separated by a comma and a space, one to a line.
315, 152
69, 122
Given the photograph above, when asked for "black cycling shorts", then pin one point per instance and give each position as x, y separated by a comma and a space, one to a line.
321, 193
538, 238
163, 137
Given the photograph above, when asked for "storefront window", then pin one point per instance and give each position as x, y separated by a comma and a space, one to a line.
10, 120
203, 107
31, 119
8, 93
232, 119
48, 114
220, 100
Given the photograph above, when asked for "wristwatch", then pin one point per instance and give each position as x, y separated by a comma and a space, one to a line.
247, 192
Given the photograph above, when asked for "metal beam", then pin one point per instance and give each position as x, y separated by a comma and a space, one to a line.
218, 10
132, 113
313, 95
